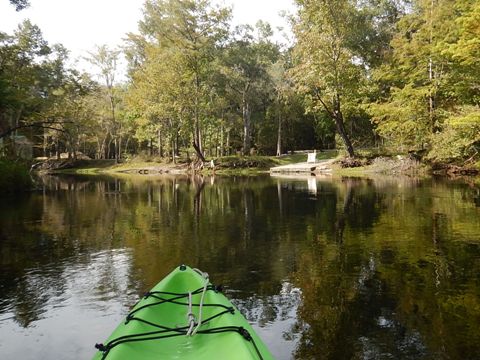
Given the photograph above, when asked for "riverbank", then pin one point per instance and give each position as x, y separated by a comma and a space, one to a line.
401, 165
227, 165
253, 165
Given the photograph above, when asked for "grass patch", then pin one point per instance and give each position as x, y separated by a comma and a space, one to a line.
266, 162
244, 162
94, 167
302, 157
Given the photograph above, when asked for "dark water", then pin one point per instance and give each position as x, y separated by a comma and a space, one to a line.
324, 269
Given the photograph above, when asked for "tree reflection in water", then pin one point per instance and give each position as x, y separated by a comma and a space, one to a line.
324, 268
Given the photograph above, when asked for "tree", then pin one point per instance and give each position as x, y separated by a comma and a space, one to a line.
157, 96
106, 62
416, 76
326, 67
286, 100
194, 30
428, 80
461, 47
30, 72
246, 63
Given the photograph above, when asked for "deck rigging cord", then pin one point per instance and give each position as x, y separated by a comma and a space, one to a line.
199, 322
193, 326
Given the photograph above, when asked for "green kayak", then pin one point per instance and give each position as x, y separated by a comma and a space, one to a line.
184, 317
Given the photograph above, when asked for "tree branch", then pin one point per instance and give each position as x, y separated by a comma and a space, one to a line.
42, 125
319, 98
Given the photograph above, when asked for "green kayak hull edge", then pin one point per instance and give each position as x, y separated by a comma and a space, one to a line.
156, 326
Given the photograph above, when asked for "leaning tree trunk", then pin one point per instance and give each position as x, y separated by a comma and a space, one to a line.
343, 134
340, 125
199, 153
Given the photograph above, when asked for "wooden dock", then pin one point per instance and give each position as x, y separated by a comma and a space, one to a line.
304, 167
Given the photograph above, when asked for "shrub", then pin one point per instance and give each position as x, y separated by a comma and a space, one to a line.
14, 176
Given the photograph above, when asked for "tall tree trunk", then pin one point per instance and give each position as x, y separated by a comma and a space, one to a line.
57, 148
99, 149
246, 125
119, 148
109, 148
115, 149
197, 129
177, 152
173, 149
222, 128
159, 143
127, 142
217, 142
227, 146
45, 143
114, 126
103, 148
279, 132
431, 95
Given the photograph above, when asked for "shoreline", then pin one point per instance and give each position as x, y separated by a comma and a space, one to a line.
329, 163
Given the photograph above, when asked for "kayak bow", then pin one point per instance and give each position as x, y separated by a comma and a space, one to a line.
184, 317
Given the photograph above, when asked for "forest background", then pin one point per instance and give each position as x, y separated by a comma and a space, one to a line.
398, 76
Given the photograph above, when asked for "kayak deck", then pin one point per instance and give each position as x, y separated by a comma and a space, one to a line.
159, 325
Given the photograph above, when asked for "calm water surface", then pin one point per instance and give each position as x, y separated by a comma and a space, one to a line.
323, 268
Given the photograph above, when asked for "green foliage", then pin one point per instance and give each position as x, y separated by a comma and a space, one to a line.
400, 74
187, 34
333, 54
462, 48
14, 176
459, 139
40, 97
403, 120
428, 85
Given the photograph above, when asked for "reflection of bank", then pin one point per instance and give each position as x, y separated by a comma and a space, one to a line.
302, 182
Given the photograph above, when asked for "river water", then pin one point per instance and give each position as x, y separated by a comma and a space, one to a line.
324, 268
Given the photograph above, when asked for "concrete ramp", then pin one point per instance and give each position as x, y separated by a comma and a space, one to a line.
294, 168
304, 167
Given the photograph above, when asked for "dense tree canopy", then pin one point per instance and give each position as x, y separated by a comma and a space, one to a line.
398, 74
